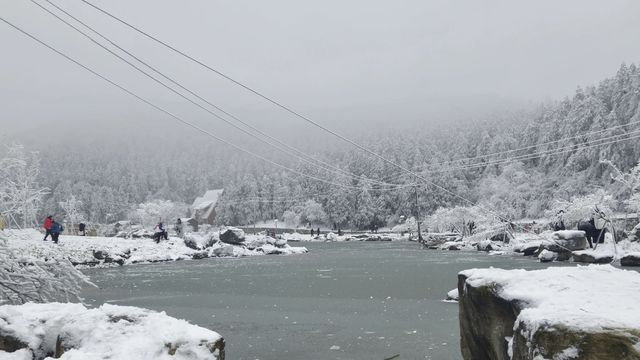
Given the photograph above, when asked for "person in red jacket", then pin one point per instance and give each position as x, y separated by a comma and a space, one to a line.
47, 227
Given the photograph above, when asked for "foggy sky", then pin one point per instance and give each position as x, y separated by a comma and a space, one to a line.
346, 64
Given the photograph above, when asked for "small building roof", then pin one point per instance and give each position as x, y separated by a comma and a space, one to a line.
210, 198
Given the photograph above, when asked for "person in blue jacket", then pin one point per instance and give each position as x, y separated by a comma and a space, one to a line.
55, 231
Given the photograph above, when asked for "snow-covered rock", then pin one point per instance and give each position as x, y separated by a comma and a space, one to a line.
332, 237
232, 235
547, 256
74, 332
437, 240
453, 295
568, 234
200, 241
593, 257
488, 245
555, 313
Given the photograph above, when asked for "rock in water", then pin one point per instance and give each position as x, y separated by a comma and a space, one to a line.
547, 256
233, 236
453, 295
632, 259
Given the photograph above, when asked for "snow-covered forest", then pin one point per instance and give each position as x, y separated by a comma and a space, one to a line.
517, 163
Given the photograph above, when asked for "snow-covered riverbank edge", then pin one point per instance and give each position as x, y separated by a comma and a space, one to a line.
577, 312
72, 331
545, 247
88, 251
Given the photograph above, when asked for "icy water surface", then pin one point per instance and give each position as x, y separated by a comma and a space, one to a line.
360, 301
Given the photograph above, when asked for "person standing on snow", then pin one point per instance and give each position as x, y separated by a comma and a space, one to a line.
179, 227
55, 231
47, 227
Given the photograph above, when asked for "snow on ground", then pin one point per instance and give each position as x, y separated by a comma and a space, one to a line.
107, 332
108, 251
582, 297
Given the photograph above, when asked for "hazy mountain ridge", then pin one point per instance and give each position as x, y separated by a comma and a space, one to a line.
255, 190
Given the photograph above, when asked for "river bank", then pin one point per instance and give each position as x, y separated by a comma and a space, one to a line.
94, 251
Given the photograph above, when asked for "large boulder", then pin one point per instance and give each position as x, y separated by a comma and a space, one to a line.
502, 236
566, 240
549, 314
232, 236
486, 320
437, 240
547, 256
9, 342
488, 245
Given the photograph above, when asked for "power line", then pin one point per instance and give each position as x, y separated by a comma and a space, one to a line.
189, 91
168, 112
278, 104
274, 102
537, 145
550, 152
137, 58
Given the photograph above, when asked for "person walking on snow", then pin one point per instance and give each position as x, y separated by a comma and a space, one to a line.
55, 231
47, 227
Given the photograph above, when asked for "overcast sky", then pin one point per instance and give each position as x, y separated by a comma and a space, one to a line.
339, 62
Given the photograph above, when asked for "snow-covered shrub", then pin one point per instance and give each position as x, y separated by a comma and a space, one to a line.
410, 225
24, 279
630, 185
291, 218
584, 207
150, 213
71, 208
461, 219
20, 195
313, 213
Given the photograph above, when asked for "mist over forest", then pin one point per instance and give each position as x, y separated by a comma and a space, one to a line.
562, 145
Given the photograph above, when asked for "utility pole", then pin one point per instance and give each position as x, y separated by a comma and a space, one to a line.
415, 188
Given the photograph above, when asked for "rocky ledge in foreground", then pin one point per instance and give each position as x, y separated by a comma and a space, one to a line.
585, 312
71, 331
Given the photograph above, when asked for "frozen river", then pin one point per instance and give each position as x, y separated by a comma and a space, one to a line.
340, 301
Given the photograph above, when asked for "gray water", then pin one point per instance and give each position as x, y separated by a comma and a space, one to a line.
359, 301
